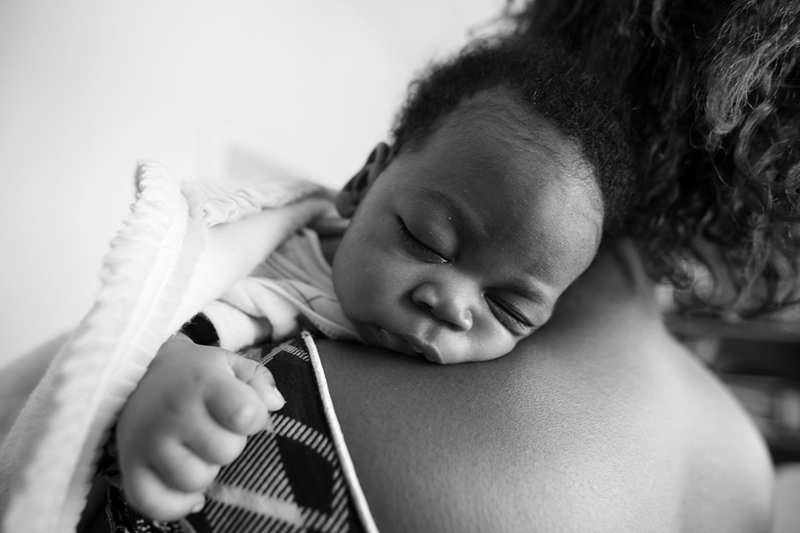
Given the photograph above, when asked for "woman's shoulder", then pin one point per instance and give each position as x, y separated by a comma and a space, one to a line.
599, 421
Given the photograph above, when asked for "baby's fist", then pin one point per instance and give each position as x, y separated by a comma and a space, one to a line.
232, 402
189, 415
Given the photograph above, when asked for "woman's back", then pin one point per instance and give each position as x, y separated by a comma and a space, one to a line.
599, 422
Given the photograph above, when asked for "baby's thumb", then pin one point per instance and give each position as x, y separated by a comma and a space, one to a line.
260, 379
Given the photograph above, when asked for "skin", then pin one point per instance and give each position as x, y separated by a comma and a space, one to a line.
600, 422
435, 263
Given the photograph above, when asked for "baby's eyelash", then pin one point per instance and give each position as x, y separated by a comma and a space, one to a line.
405, 233
418, 246
517, 323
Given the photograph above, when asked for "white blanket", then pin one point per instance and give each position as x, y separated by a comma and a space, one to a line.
181, 247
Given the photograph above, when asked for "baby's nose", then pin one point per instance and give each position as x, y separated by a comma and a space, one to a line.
449, 306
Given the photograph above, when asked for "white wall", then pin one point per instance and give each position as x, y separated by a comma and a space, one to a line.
87, 88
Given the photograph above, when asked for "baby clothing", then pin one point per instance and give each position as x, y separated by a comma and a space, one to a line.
291, 290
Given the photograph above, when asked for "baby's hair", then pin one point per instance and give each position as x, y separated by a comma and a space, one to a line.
714, 89
544, 81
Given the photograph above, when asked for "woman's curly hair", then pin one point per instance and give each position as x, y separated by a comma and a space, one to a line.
546, 82
714, 93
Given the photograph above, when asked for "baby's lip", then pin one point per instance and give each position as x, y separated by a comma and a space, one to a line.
406, 344
425, 350
395, 342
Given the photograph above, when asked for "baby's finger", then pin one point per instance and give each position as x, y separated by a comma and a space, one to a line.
212, 442
145, 491
236, 406
180, 469
257, 376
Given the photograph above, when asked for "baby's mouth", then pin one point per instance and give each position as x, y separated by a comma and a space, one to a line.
395, 343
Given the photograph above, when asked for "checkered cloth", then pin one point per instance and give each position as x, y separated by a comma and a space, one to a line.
289, 480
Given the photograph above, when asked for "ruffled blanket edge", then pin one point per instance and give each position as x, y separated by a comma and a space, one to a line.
178, 250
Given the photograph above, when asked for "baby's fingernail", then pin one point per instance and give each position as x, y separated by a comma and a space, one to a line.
199, 507
276, 400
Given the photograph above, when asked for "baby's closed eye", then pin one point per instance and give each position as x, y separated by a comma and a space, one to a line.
417, 247
510, 316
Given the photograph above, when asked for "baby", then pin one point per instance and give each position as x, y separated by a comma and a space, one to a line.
506, 168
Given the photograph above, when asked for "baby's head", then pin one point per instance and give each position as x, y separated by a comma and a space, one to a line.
507, 166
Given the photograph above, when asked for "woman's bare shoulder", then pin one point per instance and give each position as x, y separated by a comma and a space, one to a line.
599, 421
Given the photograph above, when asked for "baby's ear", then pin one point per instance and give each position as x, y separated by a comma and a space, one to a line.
351, 195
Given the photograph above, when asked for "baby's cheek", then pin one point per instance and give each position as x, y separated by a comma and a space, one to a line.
499, 343
476, 346
361, 295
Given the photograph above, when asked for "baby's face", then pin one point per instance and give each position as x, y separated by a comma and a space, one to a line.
461, 249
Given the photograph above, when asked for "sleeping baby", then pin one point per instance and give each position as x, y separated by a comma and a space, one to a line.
505, 169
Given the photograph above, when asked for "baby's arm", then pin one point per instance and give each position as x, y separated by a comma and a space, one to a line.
189, 415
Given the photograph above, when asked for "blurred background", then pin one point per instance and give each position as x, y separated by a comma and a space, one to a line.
87, 88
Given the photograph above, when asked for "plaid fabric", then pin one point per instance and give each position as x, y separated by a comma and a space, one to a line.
288, 480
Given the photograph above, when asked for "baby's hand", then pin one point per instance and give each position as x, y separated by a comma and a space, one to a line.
190, 414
